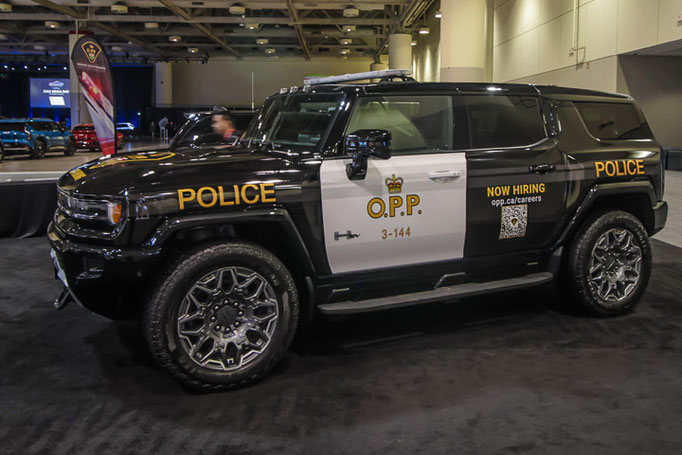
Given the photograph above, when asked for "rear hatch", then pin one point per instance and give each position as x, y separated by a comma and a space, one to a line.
14, 133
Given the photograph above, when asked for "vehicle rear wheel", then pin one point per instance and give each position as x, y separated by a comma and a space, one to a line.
39, 150
70, 149
609, 263
222, 316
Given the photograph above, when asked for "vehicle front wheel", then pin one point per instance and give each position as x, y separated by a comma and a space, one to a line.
70, 149
222, 316
609, 263
39, 150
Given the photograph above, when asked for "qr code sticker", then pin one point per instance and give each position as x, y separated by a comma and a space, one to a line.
514, 221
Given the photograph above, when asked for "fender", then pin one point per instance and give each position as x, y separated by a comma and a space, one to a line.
274, 214
601, 190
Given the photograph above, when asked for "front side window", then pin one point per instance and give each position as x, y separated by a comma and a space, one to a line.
197, 132
504, 121
416, 123
613, 120
293, 121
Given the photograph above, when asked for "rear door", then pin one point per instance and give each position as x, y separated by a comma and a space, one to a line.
410, 208
517, 175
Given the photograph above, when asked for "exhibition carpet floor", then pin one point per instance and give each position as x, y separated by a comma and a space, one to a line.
508, 373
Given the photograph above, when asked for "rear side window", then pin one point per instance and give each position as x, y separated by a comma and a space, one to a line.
504, 121
12, 126
613, 120
42, 126
416, 122
83, 128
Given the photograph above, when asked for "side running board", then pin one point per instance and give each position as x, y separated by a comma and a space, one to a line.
417, 298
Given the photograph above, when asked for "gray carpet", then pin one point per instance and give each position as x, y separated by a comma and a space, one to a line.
508, 373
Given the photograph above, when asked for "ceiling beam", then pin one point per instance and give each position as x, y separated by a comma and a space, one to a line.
60, 9
365, 5
299, 29
201, 27
138, 18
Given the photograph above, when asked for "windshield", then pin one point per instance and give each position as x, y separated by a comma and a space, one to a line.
300, 120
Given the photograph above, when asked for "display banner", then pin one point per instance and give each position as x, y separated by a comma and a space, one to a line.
94, 78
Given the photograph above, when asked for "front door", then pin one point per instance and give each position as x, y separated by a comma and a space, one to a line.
409, 209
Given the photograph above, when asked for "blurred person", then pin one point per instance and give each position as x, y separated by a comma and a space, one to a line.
222, 124
152, 129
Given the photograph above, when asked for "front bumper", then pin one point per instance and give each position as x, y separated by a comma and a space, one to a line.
660, 216
107, 280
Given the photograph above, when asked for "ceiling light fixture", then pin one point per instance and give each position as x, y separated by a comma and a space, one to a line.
3, 36
116, 48
413, 43
193, 50
151, 25
39, 47
349, 28
51, 24
269, 50
423, 30
5, 7
175, 38
253, 26
345, 51
438, 14
119, 8
262, 41
346, 41
236, 10
351, 11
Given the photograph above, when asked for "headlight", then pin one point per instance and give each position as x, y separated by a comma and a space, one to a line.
90, 210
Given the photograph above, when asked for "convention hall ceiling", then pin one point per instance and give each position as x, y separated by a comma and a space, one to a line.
151, 30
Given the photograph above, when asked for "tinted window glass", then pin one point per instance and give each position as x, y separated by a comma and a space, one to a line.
12, 126
42, 126
415, 122
504, 121
613, 121
197, 132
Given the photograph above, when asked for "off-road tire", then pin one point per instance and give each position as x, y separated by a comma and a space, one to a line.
577, 271
160, 316
70, 149
39, 150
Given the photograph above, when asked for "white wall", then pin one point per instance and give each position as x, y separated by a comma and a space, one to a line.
655, 83
533, 37
228, 82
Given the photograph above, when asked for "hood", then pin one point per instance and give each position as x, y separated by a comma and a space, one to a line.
158, 173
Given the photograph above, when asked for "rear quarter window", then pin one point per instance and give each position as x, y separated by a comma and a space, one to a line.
610, 121
12, 126
504, 121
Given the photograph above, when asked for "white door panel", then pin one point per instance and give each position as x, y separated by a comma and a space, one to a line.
366, 225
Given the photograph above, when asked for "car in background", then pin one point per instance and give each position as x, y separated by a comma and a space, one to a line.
198, 130
127, 129
35, 137
86, 137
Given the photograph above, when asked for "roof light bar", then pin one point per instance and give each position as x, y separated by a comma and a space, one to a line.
357, 77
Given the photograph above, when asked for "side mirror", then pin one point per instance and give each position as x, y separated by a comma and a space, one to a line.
362, 144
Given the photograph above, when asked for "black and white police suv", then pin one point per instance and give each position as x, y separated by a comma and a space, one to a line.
347, 198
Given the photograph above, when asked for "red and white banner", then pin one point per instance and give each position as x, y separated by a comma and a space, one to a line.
94, 77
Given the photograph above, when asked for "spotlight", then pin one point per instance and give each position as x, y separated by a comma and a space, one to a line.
236, 10
351, 11
51, 24
438, 14
413, 43
424, 30
345, 51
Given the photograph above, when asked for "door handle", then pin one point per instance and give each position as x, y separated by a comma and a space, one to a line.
541, 168
444, 176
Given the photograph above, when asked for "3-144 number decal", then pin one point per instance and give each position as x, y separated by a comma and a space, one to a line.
396, 233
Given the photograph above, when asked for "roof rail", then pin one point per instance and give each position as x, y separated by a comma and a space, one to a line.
384, 75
